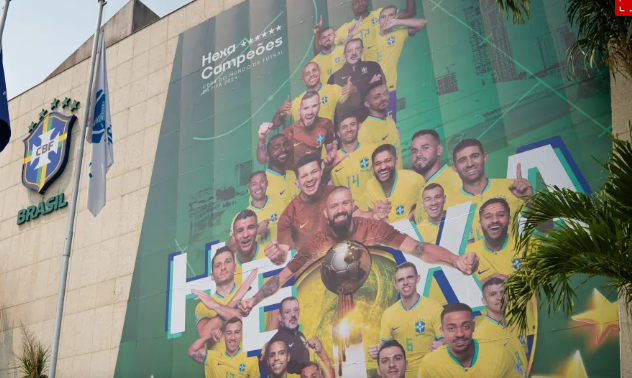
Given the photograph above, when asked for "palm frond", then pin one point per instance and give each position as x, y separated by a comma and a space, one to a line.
592, 239
32, 361
518, 9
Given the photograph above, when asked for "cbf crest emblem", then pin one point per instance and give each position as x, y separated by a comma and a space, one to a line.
46, 151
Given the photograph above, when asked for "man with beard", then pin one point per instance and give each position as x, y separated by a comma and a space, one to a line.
492, 327
354, 171
213, 310
391, 360
308, 135
277, 359
464, 356
389, 45
392, 192
496, 249
303, 217
414, 321
281, 181
469, 160
330, 96
233, 362
290, 314
365, 23
266, 208
433, 197
370, 232
362, 74
329, 56
378, 128
425, 156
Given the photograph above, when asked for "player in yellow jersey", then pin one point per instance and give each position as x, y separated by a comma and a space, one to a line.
330, 96
392, 192
390, 40
425, 156
267, 208
496, 249
413, 321
277, 358
281, 181
469, 159
366, 24
232, 362
433, 200
211, 312
354, 171
328, 55
391, 360
492, 327
464, 356
378, 128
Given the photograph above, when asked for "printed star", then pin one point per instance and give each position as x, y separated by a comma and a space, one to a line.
243, 43
32, 126
65, 103
257, 37
43, 113
54, 104
264, 34
74, 106
271, 31
574, 368
250, 41
603, 315
278, 27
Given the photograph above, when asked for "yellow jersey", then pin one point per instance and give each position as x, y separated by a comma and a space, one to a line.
381, 131
355, 171
203, 312
490, 330
449, 181
221, 365
329, 96
271, 211
414, 329
282, 186
428, 231
259, 254
369, 28
389, 49
489, 361
330, 63
402, 196
496, 188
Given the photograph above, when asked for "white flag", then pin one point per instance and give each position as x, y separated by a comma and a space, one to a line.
99, 133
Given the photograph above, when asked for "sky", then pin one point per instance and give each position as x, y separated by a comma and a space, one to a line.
40, 34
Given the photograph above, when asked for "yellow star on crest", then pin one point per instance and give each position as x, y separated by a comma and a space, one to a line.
602, 314
574, 368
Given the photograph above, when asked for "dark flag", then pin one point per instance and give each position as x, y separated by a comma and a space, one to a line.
5, 128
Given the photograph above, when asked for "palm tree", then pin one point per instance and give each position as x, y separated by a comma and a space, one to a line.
593, 240
32, 361
603, 37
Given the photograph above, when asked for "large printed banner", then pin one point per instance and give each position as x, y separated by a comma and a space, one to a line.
330, 176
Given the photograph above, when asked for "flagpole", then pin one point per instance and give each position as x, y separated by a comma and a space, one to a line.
5, 10
73, 201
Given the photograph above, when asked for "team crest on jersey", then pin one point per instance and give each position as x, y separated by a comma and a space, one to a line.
46, 151
364, 163
420, 326
365, 69
242, 368
390, 40
521, 339
399, 210
374, 20
337, 60
274, 217
320, 138
324, 100
517, 263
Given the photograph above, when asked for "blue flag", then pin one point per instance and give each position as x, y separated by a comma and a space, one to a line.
5, 128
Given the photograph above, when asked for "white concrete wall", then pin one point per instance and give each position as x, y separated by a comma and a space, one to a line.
102, 262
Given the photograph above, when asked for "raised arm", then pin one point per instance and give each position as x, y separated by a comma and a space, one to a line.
269, 288
262, 148
316, 29
435, 254
413, 24
197, 350
409, 12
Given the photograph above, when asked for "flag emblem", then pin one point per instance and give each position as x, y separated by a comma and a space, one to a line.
46, 151
399, 210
